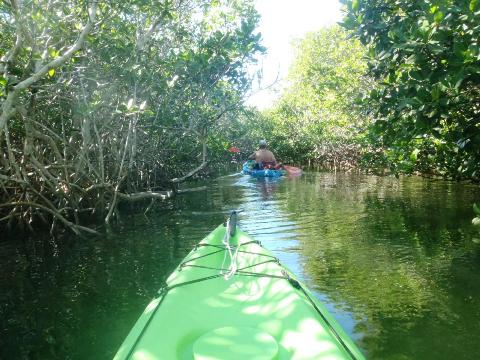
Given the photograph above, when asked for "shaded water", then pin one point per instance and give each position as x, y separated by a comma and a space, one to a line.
395, 260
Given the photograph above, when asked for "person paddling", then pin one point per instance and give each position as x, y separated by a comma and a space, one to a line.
264, 159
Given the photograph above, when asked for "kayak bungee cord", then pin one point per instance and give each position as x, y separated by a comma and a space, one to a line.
233, 270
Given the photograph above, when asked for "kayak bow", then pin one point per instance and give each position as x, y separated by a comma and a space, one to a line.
230, 299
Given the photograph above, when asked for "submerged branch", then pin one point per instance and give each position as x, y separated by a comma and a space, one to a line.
162, 195
200, 188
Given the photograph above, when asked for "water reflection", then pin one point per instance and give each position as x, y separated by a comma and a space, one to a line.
267, 187
392, 259
387, 250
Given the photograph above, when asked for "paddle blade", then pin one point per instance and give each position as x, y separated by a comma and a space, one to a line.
292, 170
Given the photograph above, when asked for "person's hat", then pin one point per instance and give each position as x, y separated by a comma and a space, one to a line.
263, 143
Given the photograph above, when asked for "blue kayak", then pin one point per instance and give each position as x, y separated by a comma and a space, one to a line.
249, 170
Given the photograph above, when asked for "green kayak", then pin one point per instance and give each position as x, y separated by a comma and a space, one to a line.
231, 299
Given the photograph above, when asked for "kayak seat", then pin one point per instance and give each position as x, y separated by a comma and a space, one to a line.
235, 343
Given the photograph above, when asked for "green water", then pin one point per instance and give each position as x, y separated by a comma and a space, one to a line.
395, 260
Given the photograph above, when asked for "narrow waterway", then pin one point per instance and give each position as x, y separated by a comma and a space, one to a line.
396, 261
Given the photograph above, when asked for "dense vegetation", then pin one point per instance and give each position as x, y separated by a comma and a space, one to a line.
113, 102
317, 117
407, 99
425, 57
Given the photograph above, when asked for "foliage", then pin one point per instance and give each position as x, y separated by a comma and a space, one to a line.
425, 57
114, 102
317, 117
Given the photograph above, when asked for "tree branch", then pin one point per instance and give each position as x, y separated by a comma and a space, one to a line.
8, 108
197, 169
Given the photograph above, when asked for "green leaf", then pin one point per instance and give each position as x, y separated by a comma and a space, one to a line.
476, 209
414, 154
51, 72
435, 92
473, 5
439, 15
53, 52
476, 221
355, 5
458, 83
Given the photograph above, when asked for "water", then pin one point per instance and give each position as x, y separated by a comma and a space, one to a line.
396, 261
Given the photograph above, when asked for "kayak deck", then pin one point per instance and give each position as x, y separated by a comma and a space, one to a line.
198, 306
